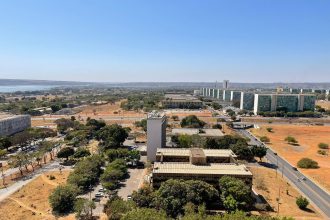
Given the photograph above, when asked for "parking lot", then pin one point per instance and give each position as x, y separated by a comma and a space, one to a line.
132, 183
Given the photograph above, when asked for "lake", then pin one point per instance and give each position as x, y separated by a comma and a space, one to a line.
24, 88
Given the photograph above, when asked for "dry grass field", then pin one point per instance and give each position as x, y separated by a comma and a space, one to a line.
270, 187
31, 201
308, 138
324, 104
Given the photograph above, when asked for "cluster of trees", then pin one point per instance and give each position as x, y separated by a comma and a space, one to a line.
192, 121
291, 140
146, 102
23, 160
184, 200
86, 173
141, 124
187, 141
305, 114
112, 136
122, 153
307, 163
115, 172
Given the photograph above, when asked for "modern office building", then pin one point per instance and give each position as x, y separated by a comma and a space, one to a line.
197, 164
283, 102
181, 101
247, 101
11, 124
185, 155
156, 133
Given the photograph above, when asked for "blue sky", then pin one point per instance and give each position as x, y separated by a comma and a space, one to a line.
166, 40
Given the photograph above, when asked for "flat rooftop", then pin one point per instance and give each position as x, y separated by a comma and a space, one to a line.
7, 116
191, 131
186, 152
180, 96
209, 169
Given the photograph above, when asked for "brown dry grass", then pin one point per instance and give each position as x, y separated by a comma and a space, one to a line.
31, 202
308, 137
324, 104
270, 191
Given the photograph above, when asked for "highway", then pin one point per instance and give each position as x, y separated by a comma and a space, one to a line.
319, 197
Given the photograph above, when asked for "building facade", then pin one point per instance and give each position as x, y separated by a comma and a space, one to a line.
12, 124
156, 133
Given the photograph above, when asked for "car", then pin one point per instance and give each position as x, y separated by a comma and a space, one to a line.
303, 178
98, 195
275, 153
96, 199
295, 168
129, 197
101, 190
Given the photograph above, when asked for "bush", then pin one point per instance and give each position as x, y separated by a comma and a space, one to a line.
322, 152
302, 202
323, 146
307, 163
291, 140
51, 177
269, 129
265, 139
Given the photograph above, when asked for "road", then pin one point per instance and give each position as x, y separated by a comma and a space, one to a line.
319, 197
5, 192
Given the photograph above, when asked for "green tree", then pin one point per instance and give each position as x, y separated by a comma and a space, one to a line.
302, 202
62, 198
259, 151
145, 214
307, 163
230, 203
192, 121
5, 143
185, 141
199, 192
117, 208
65, 152
141, 124
83, 209
112, 136
237, 189
143, 197
81, 152
269, 129
3, 153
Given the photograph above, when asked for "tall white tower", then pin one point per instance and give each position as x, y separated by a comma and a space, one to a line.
156, 133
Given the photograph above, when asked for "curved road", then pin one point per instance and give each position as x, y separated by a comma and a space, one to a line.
319, 197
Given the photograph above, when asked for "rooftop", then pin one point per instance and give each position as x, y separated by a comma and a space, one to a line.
180, 97
4, 116
187, 168
186, 152
192, 131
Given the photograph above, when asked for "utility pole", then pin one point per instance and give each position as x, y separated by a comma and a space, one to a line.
278, 200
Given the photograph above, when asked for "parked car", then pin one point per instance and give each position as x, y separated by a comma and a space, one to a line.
98, 195
129, 197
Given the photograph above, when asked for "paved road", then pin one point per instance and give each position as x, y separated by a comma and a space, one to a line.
132, 183
313, 192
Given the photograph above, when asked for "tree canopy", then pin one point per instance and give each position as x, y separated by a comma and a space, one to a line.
192, 121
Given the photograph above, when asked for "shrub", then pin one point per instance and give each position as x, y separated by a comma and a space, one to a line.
51, 177
269, 129
302, 202
265, 139
323, 146
291, 140
322, 152
307, 163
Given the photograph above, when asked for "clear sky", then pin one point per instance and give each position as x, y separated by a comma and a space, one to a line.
166, 40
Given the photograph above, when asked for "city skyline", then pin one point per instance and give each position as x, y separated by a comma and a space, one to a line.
154, 41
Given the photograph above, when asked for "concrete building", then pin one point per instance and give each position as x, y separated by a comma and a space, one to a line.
181, 101
247, 101
11, 124
283, 102
185, 155
156, 133
197, 164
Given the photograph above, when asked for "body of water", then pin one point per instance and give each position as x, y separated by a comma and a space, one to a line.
24, 88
